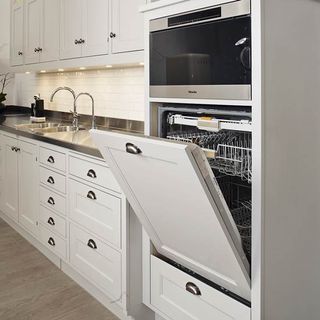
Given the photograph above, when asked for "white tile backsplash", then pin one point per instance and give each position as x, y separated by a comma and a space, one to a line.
118, 93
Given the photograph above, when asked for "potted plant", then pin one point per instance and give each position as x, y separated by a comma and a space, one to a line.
4, 82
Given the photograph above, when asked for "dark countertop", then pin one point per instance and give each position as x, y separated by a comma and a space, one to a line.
78, 141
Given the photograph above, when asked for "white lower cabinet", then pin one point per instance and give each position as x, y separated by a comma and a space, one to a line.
96, 210
52, 200
97, 261
53, 242
53, 222
179, 296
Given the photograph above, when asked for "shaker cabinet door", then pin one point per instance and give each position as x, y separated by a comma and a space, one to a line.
127, 25
16, 42
174, 193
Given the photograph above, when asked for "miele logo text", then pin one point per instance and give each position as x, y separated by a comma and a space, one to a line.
192, 92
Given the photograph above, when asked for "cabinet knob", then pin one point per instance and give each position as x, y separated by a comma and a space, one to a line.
51, 242
112, 35
36, 49
39, 49
91, 174
50, 180
76, 41
192, 288
51, 159
20, 53
51, 221
91, 195
82, 41
91, 244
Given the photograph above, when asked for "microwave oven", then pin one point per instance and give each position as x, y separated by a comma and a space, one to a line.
203, 54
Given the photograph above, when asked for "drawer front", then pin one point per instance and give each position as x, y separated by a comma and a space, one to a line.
97, 211
53, 180
170, 296
98, 262
53, 200
53, 159
53, 242
52, 221
93, 172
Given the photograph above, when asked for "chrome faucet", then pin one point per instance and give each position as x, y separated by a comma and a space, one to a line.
75, 116
93, 119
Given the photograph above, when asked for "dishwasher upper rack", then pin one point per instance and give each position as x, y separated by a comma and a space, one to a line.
229, 152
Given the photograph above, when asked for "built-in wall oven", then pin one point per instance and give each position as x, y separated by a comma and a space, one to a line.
204, 54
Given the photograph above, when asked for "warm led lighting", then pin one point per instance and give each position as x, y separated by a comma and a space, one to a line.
82, 68
27, 72
109, 66
141, 63
43, 71
60, 70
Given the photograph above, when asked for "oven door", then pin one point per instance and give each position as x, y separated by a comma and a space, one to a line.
210, 60
176, 197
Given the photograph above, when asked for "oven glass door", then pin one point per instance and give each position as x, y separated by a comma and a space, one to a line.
174, 193
202, 57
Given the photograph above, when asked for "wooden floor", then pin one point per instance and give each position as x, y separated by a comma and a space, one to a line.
32, 288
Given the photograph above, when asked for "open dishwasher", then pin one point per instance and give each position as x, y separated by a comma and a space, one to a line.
191, 189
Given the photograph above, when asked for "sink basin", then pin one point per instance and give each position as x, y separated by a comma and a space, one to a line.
56, 129
32, 126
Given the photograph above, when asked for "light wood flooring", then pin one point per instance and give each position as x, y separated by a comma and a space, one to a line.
32, 288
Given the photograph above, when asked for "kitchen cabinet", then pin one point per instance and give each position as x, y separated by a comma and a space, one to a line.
126, 26
41, 31
84, 28
28, 186
16, 41
10, 177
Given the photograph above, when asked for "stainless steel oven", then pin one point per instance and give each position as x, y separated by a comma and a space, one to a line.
203, 54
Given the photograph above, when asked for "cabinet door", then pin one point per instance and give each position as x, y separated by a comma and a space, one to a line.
127, 25
16, 47
70, 29
32, 31
95, 17
49, 30
28, 187
10, 178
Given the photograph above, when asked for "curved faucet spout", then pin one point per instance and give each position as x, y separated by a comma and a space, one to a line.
93, 121
60, 89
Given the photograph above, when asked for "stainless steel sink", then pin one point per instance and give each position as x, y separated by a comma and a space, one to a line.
32, 126
46, 130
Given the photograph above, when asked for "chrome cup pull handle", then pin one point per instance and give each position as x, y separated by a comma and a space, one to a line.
51, 159
131, 148
51, 201
91, 244
91, 195
51, 221
50, 180
51, 242
193, 289
91, 174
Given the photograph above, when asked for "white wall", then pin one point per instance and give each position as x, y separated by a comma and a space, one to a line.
5, 43
118, 93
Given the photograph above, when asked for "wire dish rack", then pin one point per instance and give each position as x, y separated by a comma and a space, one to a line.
242, 217
233, 150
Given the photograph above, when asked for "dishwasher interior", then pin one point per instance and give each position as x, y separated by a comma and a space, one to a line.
224, 133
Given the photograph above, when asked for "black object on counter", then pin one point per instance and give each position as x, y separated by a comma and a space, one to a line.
39, 107
33, 105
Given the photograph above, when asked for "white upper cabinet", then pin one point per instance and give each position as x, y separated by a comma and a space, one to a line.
49, 30
32, 31
41, 31
95, 27
127, 25
16, 32
70, 29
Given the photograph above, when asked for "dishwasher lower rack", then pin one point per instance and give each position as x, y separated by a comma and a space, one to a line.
242, 217
229, 152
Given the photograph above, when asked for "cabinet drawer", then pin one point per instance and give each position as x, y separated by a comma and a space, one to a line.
53, 159
52, 221
53, 200
53, 242
93, 172
98, 262
53, 180
97, 211
170, 296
